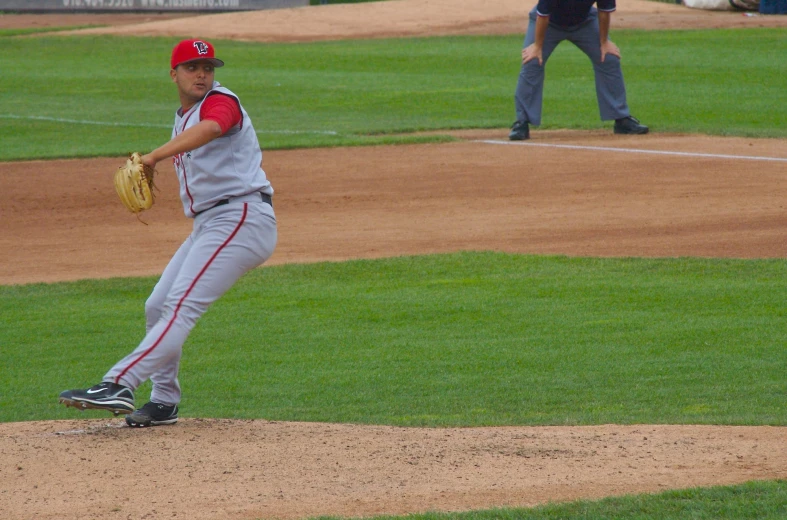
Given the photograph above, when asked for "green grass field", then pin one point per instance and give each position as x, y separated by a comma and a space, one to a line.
468, 339
66, 97
448, 340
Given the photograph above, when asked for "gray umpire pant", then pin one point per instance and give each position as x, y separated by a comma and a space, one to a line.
610, 89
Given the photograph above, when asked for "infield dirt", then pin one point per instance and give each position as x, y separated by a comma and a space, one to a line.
668, 195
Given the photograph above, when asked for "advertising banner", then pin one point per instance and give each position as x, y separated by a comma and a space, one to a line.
145, 5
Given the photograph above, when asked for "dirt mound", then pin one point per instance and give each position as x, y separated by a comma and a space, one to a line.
220, 469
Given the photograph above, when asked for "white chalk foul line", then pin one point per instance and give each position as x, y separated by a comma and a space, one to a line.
147, 125
635, 150
81, 122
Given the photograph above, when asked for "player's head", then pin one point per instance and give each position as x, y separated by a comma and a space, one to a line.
194, 50
193, 63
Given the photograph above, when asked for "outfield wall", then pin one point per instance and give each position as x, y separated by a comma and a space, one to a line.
63, 6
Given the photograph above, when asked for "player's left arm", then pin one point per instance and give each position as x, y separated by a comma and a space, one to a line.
605, 10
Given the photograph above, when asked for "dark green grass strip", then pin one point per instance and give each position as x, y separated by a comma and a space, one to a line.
452, 340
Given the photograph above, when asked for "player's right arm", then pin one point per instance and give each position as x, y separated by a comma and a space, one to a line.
218, 114
198, 135
534, 50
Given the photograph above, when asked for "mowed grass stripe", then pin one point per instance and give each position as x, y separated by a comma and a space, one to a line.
466, 339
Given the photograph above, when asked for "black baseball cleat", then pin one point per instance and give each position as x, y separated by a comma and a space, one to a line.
103, 396
520, 131
630, 125
153, 414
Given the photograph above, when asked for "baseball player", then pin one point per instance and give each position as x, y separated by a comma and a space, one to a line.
551, 22
223, 188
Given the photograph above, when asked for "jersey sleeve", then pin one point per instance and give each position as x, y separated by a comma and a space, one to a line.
606, 5
545, 7
223, 109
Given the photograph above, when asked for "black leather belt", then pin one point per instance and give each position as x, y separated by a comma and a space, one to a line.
265, 198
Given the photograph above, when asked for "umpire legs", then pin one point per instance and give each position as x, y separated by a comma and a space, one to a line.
610, 88
529, 95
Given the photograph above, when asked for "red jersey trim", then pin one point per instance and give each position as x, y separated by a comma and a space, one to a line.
176, 160
225, 114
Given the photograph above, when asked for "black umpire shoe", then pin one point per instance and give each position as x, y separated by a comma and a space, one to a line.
153, 414
520, 131
630, 125
103, 396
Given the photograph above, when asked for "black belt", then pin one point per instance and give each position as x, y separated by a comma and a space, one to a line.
265, 198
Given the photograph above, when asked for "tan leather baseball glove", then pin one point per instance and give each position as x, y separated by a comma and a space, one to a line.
134, 184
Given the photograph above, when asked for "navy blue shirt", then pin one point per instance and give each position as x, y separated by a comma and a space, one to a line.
567, 13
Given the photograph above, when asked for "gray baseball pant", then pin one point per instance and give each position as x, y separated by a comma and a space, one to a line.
610, 88
226, 242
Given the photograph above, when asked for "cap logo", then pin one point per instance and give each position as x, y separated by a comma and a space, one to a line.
202, 47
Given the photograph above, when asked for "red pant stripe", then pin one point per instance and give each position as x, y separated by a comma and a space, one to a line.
188, 291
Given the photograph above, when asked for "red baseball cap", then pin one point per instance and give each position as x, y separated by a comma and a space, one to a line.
192, 50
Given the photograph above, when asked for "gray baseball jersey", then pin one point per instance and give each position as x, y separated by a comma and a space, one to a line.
223, 186
228, 166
